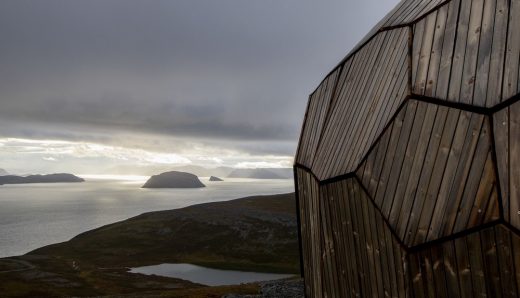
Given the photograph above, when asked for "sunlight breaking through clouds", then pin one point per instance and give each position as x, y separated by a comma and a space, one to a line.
69, 155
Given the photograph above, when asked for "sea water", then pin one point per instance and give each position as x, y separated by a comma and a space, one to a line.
35, 215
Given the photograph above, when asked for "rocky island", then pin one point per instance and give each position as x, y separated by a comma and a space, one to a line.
173, 179
51, 178
213, 178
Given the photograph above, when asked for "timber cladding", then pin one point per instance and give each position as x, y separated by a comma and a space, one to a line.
408, 165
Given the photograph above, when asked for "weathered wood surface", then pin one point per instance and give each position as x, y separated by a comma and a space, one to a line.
408, 164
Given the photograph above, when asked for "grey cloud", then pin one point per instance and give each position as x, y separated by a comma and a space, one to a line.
217, 70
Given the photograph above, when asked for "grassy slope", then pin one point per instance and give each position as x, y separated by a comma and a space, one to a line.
255, 233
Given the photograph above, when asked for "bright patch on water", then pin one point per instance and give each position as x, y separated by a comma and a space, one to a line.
207, 276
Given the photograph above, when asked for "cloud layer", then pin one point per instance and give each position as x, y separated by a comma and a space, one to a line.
232, 74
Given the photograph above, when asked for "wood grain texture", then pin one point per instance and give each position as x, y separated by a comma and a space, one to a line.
466, 59
408, 164
443, 181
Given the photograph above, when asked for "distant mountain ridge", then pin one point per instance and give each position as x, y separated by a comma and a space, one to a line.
3, 172
256, 173
51, 178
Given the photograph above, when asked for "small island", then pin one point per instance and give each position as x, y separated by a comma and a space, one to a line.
173, 179
213, 178
51, 178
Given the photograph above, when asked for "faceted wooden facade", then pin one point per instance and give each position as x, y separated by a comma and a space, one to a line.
408, 166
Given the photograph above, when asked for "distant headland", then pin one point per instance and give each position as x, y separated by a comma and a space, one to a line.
51, 178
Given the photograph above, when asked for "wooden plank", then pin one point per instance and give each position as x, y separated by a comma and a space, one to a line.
515, 244
510, 85
406, 208
418, 186
417, 276
484, 54
366, 240
398, 159
329, 272
514, 164
476, 264
347, 103
498, 48
350, 241
374, 242
402, 268
423, 62
387, 267
460, 50
372, 101
436, 51
418, 30
472, 182
377, 110
379, 161
492, 272
342, 164
450, 263
443, 78
357, 232
316, 240
493, 212
471, 52
454, 127
439, 275
402, 204
501, 139
448, 171
464, 269
457, 184
484, 195
389, 158
506, 262
345, 137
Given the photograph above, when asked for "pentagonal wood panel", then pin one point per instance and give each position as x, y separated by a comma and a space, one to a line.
348, 248
463, 52
317, 109
480, 264
369, 91
432, 172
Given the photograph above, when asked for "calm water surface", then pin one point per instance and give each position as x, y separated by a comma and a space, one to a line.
207, 276
34, 215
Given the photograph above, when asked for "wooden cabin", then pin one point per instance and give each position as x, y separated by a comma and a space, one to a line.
408, 165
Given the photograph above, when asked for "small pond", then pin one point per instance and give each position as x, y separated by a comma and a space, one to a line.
207, 276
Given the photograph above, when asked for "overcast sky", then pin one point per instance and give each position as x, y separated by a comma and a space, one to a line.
92, 86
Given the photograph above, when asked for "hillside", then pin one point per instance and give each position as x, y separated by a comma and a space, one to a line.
255, 234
